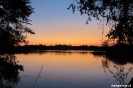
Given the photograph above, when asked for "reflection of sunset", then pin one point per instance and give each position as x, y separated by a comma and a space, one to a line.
69, 67
64, 62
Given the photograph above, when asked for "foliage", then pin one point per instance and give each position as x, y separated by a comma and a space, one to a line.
118, 15
13, 20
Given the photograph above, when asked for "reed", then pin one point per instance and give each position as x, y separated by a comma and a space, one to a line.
38, 77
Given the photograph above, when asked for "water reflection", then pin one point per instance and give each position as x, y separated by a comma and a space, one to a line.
120, 74
70, 69
118, 59
9, 70
54, 51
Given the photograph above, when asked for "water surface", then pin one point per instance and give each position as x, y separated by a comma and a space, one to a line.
69, 69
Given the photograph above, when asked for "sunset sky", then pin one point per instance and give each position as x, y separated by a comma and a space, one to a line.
54, 24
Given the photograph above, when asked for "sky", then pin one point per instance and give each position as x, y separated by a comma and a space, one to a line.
54, 24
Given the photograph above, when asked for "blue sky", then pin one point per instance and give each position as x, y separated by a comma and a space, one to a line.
54, 24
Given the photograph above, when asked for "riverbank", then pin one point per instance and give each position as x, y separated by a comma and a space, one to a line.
110, 50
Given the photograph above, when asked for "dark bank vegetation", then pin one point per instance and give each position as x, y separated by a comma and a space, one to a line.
30, 48
14, 16
58, 47
13, 22
116, 50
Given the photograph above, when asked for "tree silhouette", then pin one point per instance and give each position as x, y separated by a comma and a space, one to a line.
118, 15
13, 20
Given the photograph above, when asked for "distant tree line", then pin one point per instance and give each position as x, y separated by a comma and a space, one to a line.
117, 49
57, 47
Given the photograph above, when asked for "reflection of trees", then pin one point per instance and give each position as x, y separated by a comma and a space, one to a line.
9, 70
58, 52
120, 59
105, 63
120, 75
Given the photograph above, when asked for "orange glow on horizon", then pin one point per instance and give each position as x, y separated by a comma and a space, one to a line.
66, 40
94, 44
71, 34
59, 26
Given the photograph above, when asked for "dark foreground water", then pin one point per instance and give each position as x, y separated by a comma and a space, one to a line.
68, 69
